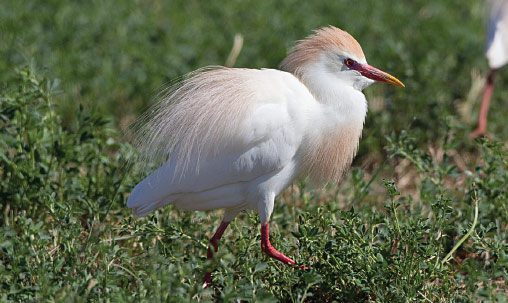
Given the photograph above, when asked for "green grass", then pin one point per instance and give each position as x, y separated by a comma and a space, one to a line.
74, 74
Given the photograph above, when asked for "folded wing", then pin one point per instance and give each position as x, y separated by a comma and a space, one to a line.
220, 127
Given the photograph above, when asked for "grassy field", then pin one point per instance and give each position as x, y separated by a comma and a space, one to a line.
421, 217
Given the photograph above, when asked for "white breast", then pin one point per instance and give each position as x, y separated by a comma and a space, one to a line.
497, 39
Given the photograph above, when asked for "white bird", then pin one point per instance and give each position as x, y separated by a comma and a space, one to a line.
497, 56
234, 138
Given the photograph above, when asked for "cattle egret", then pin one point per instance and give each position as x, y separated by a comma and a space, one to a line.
234, 138
497, 56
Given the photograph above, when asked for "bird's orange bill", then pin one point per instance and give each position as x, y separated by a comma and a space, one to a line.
378, 75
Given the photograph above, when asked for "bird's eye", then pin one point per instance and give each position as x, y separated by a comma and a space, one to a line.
349, 62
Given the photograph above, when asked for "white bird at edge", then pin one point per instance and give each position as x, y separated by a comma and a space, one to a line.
234, 138
497, 57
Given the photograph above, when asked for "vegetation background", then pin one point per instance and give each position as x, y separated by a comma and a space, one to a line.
400, 228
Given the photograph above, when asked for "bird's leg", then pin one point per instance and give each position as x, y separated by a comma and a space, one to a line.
268, 249
265, 208
481, 129
214, 242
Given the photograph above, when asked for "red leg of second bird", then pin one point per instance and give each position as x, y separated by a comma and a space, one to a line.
481, 129
214, 242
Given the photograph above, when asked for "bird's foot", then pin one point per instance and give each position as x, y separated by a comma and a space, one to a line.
271, 251
477, 133
274, 253
212, 249
207, 280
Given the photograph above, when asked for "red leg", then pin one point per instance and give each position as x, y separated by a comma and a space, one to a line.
484, 107
214, 241
268, 249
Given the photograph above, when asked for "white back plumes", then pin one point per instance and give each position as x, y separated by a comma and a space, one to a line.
192, 118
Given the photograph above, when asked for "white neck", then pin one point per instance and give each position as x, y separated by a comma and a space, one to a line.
341, 102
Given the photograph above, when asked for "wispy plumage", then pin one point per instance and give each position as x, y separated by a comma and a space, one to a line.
195, 117
235, 138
